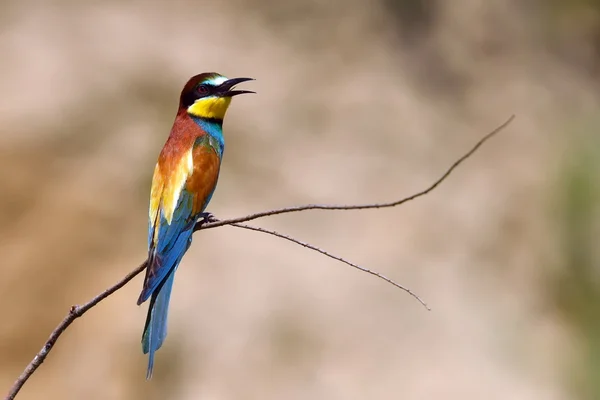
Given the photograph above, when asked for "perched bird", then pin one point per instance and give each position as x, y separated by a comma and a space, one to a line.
184, 180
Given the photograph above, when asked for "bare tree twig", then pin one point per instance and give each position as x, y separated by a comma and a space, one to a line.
74, 313
325, 253
394, 203
78, 311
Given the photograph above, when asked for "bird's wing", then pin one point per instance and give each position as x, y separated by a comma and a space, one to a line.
203, 179
176, 201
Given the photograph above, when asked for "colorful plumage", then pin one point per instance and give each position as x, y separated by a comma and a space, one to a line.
184, 180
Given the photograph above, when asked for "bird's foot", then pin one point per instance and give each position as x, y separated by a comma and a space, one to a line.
203, 219
206, 218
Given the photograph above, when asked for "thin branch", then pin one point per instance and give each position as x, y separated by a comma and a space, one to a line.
74, 313
360, 206
325, 253
78, 311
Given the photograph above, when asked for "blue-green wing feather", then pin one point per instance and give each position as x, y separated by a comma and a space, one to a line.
172, 243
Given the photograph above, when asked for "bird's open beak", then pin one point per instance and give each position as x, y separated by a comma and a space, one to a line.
225, 87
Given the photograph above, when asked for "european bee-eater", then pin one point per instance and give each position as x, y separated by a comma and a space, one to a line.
184, 180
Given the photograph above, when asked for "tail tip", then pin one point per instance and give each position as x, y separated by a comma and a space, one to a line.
150, 366
143, 297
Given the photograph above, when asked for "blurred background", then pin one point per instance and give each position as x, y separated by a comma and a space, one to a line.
358, 101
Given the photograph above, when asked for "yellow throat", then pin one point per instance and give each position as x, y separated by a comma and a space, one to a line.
210, 107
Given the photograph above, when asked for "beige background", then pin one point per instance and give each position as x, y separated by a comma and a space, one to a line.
358, 101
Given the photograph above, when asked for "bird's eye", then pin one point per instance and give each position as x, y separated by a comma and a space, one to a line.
203, 90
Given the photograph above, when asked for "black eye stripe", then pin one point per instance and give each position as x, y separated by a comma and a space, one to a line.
198, 92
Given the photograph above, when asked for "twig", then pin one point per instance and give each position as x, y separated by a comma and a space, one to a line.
394, 203
325, 253
74, 313
78, 311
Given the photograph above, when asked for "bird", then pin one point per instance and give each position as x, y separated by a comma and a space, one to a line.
184, 180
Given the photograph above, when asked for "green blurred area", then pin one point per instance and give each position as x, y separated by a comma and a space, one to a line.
577, 284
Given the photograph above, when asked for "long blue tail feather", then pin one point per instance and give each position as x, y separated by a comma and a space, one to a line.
155, 329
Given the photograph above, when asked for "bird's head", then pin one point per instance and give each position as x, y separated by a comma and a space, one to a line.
209, 94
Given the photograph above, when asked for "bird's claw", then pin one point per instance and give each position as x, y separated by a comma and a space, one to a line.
206, 218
